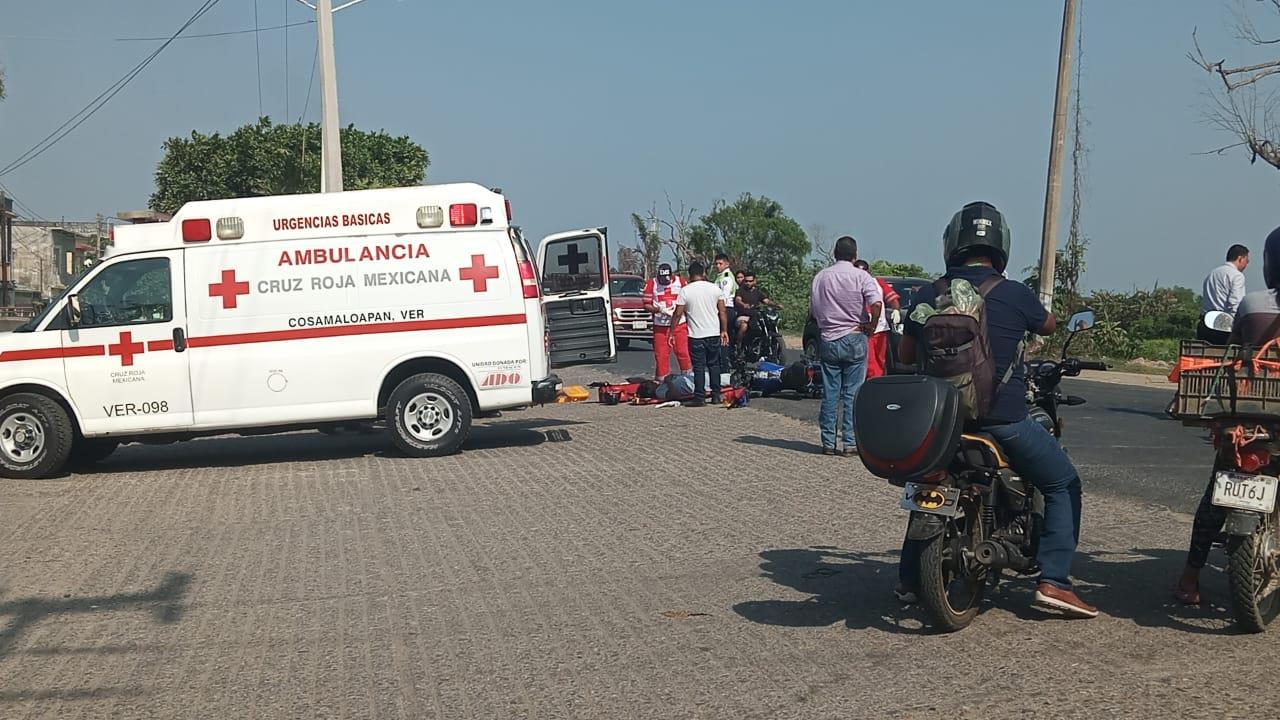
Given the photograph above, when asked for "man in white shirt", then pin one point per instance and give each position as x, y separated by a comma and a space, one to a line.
1223, 291
702, 304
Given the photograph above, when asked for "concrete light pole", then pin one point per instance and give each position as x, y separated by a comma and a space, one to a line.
1053, 187
331, 142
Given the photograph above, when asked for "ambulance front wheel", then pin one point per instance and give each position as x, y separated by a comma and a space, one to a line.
429, 415
35, 436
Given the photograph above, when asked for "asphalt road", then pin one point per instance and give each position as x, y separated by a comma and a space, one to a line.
1120, 439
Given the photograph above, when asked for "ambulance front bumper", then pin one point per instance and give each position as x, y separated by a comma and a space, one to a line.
545, 390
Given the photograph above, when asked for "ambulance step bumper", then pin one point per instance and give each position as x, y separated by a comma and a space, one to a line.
545, 390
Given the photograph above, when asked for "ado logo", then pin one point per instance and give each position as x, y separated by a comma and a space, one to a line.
498, 379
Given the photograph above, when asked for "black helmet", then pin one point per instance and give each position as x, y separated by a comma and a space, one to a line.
978, 229
1271, 260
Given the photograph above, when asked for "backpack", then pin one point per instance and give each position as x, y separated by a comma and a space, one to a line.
955, 345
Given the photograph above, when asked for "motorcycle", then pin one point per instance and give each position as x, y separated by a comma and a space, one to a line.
762, 339
973, 514
1245, 470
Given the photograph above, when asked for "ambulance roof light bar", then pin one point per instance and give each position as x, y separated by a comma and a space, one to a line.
196, 230
462, 214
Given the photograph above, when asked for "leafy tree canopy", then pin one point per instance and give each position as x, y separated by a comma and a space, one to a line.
269, 159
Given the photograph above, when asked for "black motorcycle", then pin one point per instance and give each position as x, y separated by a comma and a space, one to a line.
975, 516
762, 340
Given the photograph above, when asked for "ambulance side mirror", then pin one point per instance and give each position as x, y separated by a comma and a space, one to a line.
73, 311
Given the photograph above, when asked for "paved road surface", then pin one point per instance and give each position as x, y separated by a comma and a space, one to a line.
573, 561
1120, 439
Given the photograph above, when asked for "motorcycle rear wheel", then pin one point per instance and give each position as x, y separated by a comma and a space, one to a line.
1252, 568
952, 583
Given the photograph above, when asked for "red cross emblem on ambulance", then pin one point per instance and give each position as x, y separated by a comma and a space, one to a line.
126, 348
479, 273
229, 289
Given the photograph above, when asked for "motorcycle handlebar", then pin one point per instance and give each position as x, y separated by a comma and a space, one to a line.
1091, 365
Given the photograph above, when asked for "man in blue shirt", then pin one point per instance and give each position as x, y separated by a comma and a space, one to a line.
976, 248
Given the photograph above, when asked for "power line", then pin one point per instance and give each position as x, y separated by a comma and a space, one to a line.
103, 98
257, 53
209, 35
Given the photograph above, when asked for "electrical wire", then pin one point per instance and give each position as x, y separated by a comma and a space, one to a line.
102, 99
202, 35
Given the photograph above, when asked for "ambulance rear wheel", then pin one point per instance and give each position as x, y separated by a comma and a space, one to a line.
429, 415
35, 436
623, 343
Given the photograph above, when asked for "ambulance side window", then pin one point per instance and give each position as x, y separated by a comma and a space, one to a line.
128, 293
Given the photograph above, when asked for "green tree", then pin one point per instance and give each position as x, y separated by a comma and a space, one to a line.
884, 268
268, 159
754, 232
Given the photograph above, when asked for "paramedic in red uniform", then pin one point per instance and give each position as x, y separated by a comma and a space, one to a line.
660, 299
878, 343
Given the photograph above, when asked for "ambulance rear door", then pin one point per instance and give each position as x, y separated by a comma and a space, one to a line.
574, 269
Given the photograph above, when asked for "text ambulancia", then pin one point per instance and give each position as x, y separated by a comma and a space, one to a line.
420, 307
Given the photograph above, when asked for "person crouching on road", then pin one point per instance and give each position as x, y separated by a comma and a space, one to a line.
846, 303
703, 304
878, 343
660, 295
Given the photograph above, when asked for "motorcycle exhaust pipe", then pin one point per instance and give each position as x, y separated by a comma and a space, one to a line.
991, 554
999, 554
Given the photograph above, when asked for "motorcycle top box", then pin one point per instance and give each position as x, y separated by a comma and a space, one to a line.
908, 426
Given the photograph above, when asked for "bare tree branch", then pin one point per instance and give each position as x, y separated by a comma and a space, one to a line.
1236, 108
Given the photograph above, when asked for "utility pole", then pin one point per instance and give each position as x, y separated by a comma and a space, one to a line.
1053, 187
330, 130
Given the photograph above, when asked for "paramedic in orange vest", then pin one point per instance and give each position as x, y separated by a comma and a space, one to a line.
660, 299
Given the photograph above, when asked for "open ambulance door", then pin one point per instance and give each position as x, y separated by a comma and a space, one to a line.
575, 295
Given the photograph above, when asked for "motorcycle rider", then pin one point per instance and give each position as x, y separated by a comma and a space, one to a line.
748, 302
660, 295
975, 248
1257, 321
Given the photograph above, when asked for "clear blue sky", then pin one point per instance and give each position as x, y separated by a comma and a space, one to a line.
874, 118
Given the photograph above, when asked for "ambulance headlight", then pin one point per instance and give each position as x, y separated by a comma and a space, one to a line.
430, 216
230, 228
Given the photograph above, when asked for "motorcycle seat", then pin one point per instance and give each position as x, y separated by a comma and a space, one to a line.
983, 451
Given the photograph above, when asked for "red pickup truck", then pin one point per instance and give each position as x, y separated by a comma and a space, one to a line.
630, 320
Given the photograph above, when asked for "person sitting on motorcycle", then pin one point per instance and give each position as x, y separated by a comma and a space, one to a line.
748, 301
1257, 321
976, 248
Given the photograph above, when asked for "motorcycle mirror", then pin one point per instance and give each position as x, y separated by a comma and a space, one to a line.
1082, 320
1073, 400
1218, 320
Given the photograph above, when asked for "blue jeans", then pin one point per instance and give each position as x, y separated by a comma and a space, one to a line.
705, 355
1038, 457
844, 367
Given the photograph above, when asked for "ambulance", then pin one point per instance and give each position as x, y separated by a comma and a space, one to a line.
418, 307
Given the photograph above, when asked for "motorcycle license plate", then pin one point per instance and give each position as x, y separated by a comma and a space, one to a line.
639, 325
1244, 492
932, 499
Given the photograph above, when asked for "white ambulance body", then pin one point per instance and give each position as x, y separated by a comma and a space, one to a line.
419, 306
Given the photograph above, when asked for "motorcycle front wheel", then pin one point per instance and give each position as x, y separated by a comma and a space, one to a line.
1253, 563
952, 582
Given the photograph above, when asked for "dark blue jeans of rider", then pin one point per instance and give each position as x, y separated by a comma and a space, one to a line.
1038, 457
